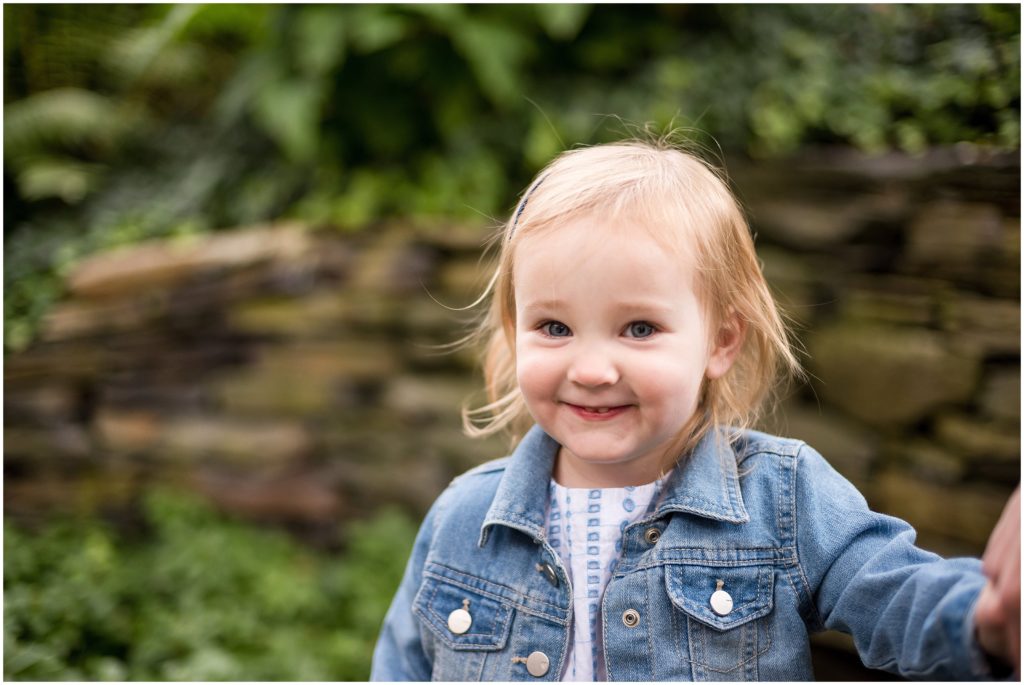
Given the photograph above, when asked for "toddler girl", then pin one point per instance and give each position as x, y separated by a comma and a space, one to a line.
641, 530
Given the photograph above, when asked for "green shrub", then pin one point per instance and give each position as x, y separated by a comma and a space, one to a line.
200, 598
128, 122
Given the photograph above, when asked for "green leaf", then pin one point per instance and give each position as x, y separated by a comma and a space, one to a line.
361, 201
542, 143
562, 21
62, 119
146, 46
289, 111
375, 27
216, 21
495, 53
65, 179
320, 39
200, 597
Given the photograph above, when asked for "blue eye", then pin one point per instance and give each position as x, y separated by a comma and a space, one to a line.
556, 329
641, 329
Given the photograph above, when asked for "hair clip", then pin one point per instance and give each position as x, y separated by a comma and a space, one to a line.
522, 206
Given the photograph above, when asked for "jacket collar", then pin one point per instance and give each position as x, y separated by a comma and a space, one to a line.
522, 497
705, 483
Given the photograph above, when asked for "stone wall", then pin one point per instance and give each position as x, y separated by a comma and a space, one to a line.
290, 375
902, 276
294, 375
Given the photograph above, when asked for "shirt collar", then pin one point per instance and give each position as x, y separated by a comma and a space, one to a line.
705, 484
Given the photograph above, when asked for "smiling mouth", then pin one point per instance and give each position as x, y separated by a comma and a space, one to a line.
598, 413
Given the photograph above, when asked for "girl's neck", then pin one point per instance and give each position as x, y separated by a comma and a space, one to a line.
571, 472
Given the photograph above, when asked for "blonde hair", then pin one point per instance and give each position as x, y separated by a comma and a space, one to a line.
682, 201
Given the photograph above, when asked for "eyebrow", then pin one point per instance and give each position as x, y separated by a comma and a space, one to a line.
637, 306
543, 304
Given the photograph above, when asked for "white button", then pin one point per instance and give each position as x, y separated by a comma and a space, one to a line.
721, 602
459, 621
537, 664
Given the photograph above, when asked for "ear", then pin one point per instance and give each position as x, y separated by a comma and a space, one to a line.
726, 346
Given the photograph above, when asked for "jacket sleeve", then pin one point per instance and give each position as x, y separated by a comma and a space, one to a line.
399, 654
909, 611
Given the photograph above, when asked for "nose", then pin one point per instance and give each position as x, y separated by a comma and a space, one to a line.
592, 368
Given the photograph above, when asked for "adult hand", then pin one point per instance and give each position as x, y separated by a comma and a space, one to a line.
997, 617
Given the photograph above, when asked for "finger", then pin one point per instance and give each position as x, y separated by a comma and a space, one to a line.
995, 634
1008, 525
986, 613
1011, 601
1005, 539
1007, 595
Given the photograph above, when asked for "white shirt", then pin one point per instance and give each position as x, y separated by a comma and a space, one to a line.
585, 525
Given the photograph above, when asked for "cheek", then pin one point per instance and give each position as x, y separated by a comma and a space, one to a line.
536, 372
672, 380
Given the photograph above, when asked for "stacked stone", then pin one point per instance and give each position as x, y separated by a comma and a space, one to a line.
298, 375
903, 280
289, 374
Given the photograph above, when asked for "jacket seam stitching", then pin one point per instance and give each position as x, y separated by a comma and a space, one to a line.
812, 607
502, 635
510, 517
673, 615
649, 626
604, 633
783, 561
517, 602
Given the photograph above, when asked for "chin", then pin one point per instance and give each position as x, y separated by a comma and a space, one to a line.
598, 454
600, 459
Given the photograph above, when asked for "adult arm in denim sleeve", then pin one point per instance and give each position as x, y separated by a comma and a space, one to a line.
909, 611
399, 653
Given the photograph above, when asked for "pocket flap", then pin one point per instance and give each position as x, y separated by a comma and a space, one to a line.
749, 587
491, 619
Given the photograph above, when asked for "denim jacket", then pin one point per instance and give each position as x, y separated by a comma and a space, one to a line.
765, 519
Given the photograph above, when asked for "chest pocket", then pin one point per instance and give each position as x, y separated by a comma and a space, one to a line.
460, 648
725, 632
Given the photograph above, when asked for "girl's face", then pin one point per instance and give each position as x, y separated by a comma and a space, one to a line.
612, 347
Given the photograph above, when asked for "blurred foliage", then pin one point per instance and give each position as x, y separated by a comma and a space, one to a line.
199, 598
124, 122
